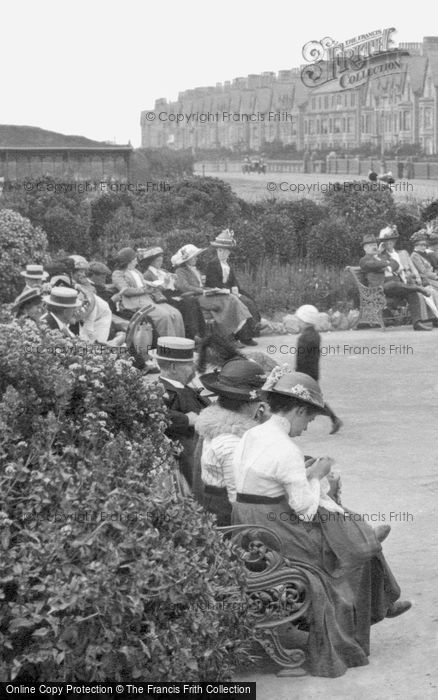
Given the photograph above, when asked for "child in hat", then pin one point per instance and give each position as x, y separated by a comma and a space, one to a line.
309, 351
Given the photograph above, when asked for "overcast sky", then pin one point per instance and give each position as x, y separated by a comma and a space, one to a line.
89, 67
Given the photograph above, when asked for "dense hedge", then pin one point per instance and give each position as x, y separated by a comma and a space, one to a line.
106, 573
196, 209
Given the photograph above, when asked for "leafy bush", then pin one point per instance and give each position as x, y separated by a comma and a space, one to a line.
333, 242
61, 209
20, 244
106, 572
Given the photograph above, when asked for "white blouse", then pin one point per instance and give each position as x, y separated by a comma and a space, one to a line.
268, 463
217, 463
225, 271
138, 278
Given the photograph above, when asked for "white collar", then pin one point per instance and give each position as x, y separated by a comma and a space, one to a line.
280, 422
174, 382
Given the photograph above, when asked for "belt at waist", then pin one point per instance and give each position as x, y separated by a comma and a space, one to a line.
216, 490
253, 498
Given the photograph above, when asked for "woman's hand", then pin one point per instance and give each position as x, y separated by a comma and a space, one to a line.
320, 468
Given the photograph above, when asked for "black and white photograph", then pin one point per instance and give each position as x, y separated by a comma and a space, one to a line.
218, 350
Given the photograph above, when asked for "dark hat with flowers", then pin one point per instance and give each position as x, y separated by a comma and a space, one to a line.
239, 379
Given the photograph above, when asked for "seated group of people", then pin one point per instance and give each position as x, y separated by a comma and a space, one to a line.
241, 463
412, 277
80, 301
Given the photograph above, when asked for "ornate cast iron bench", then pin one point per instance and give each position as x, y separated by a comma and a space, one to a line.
374, 302
277, 594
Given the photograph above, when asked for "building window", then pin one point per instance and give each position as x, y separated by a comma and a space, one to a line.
324, 126
406, 121
337, 125
311, 126
427, 118
345, 99
319, 103
333, 100
331, 125
305, 126
326, 102
339, 99
353, 99
313, 103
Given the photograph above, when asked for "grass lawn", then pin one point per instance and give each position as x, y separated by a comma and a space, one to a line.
254, 187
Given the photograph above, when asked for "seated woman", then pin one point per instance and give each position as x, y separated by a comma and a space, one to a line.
150, 264
136, 294
341, 556
29, 305
228, 312
221, 425
221, 274
429, 278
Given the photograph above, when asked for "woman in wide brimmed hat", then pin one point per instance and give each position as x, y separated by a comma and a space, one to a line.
221, 274
429, 278
151, 265
228, 312
221, 426
340, 555
136, 294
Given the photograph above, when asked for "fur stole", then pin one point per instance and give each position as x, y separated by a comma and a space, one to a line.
214, 421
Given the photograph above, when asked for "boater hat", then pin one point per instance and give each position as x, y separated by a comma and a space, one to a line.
34, 272
298, 385
174, 349
26, 296
224, 240
187, 252
143, 253
389, 233
63, 297
239, 379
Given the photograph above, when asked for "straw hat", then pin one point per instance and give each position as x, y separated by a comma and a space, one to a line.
34, 272
186, 253
298, 385
64, 297
389, 233
144, 253
80, 262
224, 240
174, 349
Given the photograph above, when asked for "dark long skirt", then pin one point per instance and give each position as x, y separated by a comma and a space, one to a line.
190, 310
216, 501
351, 584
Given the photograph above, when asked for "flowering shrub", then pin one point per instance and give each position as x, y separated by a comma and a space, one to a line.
104, 566
20, 243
